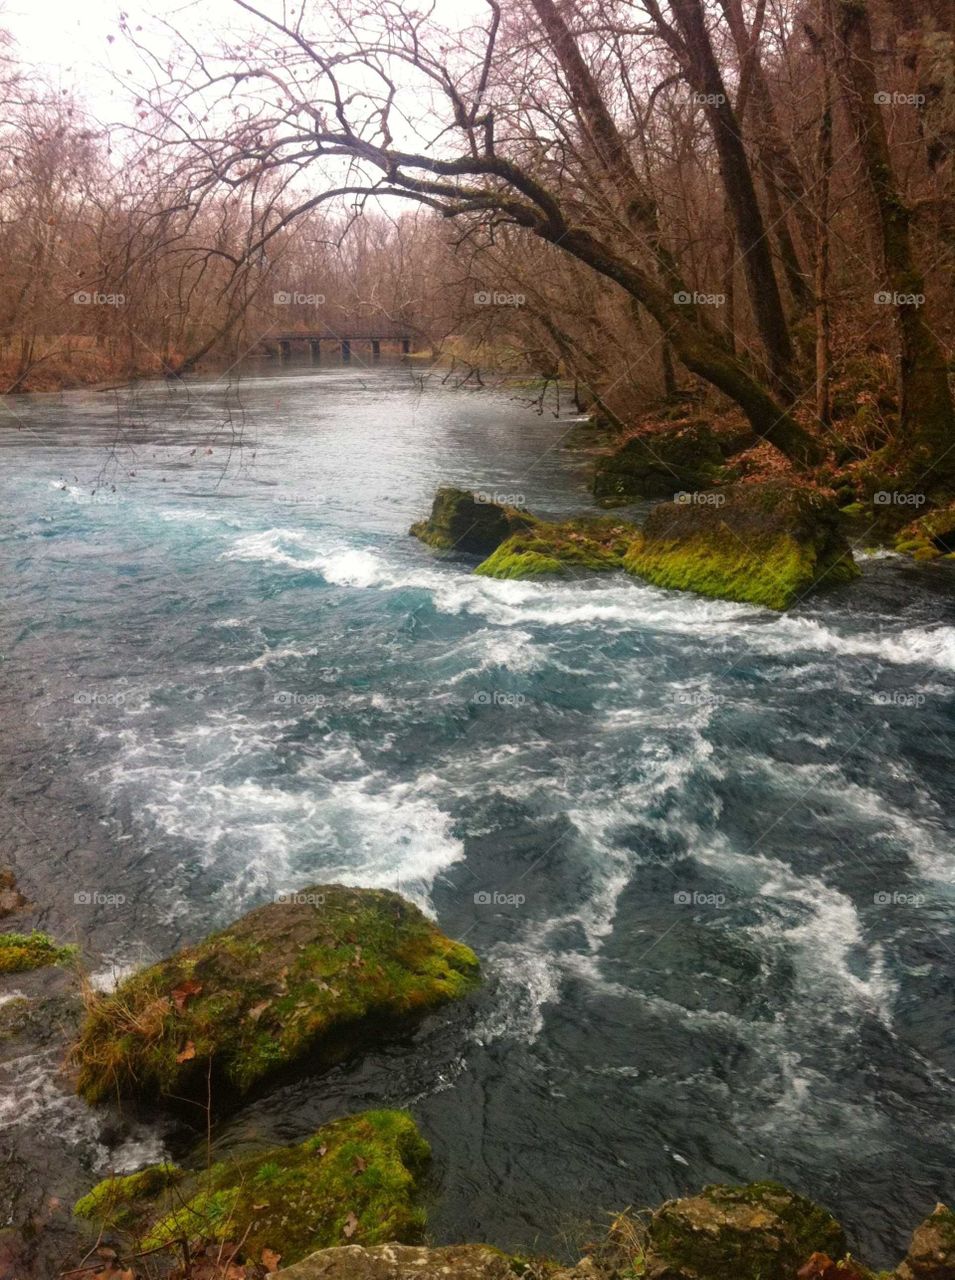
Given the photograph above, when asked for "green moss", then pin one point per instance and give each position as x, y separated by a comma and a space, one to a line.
572, 547
22, 951
659, 464
297, 981
756, 1232
765, 544
356, 1181
930, 537
116, 1203
460, 521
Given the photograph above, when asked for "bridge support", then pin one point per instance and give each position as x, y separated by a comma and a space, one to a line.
315, 347
346, 349
375, 348
285, 350
406, 346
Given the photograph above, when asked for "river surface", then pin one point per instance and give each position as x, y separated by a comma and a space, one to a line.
704, 852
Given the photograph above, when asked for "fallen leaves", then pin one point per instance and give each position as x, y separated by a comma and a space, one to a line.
821, 1267
184, 992
187, 1053
350, 1227
271, 1260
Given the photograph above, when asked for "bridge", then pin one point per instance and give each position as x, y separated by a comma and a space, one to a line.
375, 333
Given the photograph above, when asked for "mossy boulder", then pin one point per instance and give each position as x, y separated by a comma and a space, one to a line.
659, 464
22, 951
461, 521
931, 1255
566, 549
118, 1203
929, 537
755, 1232
294, 985
405, 1262
768, 543
356, 1180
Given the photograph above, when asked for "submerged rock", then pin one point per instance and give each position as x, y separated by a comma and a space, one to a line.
357, 1179
767, 544
404, 1262
755, 1232
931, 1255
566, 549
659, 464
460, 521
294, 984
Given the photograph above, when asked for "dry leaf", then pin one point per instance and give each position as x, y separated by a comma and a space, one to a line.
351, 1226
361, 1164
271, 1260
257, 1010
184, 992
187, 1053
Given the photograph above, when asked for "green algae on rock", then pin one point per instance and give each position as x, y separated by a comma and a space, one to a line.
357, 1179
22, 951
768, 544
461, 521
659, 464
757, 1232
298, 983
566, 549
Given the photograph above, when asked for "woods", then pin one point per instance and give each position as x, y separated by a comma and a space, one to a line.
749, 205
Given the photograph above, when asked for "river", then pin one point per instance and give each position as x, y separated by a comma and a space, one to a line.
705, 852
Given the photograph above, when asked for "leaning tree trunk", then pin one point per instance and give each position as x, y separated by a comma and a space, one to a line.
924, 449
754, 245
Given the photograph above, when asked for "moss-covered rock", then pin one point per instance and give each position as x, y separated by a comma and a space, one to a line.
767, 544
931, 1255
930, 537
566, 549
118, 1203
659, 464
404, 1262
294, 984
357, 1179
460, 521
756, 1232
22, 951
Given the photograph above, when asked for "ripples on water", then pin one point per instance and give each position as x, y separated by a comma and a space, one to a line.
716, 842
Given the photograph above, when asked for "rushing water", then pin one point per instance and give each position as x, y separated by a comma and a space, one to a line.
704, 851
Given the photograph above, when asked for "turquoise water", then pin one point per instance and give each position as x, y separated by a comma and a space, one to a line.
704, 851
